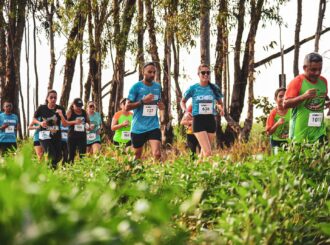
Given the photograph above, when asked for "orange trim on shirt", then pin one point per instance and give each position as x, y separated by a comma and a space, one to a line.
271, 119
119, 113
294, 87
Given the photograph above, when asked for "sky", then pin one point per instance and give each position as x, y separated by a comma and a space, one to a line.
266, 77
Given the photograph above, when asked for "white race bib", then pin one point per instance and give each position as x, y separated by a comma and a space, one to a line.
315, 119
91, 136
44, 135
126, 135
149, 110
205, 108
79, 127
64, 135
10, 129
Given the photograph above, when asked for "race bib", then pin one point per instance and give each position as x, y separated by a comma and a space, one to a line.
64, 135
205, 108
79, 127
44, 135
315, 119
91, 136
149, 110
10, 129
53, 128
126, 135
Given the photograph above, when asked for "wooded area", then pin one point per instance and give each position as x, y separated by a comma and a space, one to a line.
142, 28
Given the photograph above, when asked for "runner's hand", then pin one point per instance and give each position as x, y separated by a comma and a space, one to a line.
148, 98
310, 93
280, 121
161, 105
43, 124
188, 115
125, 123
78, 121
59, 112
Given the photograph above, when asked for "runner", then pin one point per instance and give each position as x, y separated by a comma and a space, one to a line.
94, 130
145, 98
192, 141
77, 119
9, 125
121, 124
203, 95
306, 94
277, 125
64, 143
51, 116
36, 143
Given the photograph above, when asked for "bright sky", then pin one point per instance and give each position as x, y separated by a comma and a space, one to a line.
266, 77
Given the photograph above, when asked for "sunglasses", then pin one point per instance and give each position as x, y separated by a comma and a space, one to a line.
205, 72
52, 97
91, 106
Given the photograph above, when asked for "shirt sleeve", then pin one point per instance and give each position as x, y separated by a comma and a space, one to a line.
37, 114
188, 94
271, 120
325, 81
117, 115
132, 94
293, 88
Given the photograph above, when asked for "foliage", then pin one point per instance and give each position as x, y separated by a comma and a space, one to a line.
264, 104
110, 199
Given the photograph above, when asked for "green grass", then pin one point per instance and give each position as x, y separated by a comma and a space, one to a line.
282, 199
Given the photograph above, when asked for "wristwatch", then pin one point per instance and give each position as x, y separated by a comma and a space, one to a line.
141, 102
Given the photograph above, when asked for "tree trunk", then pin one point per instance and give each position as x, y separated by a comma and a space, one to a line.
35, 55
297, 38
322, 7
15, 31
205, 31
75, 38
152, 37
50, 15
2, 50
176, 74
140, 33
121, 39
27, 59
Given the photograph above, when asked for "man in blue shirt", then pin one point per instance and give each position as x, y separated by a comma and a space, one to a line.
9, 125
145, 98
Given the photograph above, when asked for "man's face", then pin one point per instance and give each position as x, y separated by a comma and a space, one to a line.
149, 73
313, 70
7, 107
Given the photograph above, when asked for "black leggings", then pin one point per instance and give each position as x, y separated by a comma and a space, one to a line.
73, 145
53, 148
192, 144
65, 151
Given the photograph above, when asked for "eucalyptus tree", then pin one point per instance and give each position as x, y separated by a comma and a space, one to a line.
297, 38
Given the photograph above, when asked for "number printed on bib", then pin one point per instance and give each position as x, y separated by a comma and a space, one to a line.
79, 127
315, 119
149, 110
10, 129
126, 135
64, 135
44, 135
205, 108
91, 136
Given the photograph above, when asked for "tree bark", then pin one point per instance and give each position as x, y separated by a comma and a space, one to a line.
297, 39
27, 59
140, 33
176, 74
75, 38
50, 15
150, 19
205, 31
34, 9
322, 7
2, 49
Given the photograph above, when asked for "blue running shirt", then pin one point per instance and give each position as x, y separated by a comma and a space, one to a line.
145, 117
8, 135
203, 99
92, 135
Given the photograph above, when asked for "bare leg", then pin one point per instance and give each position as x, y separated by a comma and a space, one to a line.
155, 148
96, 148
39, 151
138, 152
204, 142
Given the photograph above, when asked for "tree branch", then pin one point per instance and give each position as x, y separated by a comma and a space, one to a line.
276, 55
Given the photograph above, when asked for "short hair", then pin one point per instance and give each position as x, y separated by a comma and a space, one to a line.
151, 63
203, 65
312, 57
277, 91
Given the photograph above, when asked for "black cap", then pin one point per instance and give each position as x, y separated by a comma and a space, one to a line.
78, 102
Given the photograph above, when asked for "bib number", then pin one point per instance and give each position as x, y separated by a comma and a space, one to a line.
10, 129
205, 108
44, 135
149, 110
79, 128
126, 135
315, 119
64, 135
91, 136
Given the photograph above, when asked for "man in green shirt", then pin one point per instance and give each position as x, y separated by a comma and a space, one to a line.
306, 95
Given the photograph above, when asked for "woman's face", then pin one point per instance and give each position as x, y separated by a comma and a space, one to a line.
77, 108
91, 108
280, 98
204, 74
51, 99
